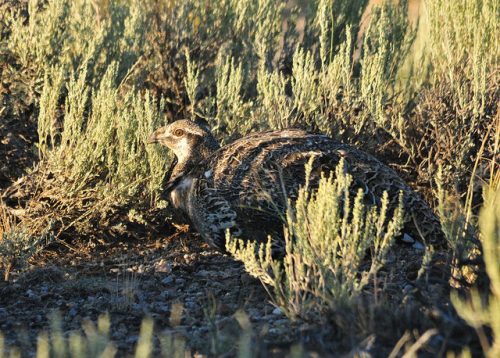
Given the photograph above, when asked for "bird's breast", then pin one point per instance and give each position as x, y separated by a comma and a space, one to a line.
179, 195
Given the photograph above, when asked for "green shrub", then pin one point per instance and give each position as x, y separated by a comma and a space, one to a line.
17, 245
328, 234
96, 163
72, 36
460, 232
477, 311
459, 100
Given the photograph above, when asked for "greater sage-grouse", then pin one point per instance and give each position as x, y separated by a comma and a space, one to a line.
244, 185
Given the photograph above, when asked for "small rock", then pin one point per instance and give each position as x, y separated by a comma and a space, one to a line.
203, 273
33, 296
163, 308
277, 311
137, 308
180, 281
274, 331
189, 257
131, 339
407, 289
165, 295
168, 280
8, 138
418, 246
163, 266
408, 239
281, 322
254, 314
190, 304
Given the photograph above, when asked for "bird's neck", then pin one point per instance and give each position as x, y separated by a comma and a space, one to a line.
181, 167
183, 164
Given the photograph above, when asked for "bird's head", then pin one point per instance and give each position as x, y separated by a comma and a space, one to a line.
189, 140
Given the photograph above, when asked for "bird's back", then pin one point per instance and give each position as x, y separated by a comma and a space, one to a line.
245, 185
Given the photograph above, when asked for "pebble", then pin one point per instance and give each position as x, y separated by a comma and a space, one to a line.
180, 281
407, 289
137, 308
73, 312
418, 246
408, 239
190, 304
168, 280
33, 296
274, 331
165, 295
163, 266
254, 314
163, 308
203, 273
131, 339
281, 322
277, 311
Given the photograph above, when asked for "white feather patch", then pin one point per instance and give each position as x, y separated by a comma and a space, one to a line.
182, 150
178, 195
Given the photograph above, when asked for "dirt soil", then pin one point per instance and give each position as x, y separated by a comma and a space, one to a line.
134, 280
151, 278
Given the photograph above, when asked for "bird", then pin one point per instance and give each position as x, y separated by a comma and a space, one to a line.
245, 185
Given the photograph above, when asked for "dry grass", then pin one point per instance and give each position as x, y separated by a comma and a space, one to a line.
17, 244
480, 311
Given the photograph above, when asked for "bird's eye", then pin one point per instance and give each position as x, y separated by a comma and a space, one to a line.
178, 132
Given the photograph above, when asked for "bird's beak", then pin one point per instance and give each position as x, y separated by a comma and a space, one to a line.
152, 139
156, 136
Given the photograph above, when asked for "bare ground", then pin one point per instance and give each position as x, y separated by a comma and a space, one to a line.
152, 277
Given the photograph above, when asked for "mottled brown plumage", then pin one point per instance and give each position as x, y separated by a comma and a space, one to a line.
244, 185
